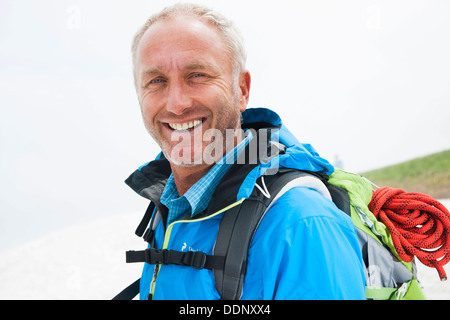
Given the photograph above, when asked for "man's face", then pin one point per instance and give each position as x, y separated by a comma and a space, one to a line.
186, 86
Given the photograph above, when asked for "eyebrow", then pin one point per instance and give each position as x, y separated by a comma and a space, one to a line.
201, 66
152, 71
195, 65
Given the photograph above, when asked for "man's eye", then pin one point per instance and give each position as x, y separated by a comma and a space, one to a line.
158, 80
198, 75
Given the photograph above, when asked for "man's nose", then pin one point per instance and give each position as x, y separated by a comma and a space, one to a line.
178, 100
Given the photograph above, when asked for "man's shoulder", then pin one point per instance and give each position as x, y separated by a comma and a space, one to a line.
301, 203
299, 235
301, 210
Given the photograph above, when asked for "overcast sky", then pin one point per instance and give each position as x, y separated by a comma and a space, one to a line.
368, 81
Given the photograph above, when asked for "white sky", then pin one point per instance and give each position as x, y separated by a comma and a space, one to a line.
366, 80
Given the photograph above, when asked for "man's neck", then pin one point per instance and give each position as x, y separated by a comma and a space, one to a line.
186, 176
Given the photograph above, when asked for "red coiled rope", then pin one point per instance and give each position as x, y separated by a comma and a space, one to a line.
419, 226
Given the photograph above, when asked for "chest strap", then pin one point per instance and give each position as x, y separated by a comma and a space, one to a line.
195, 259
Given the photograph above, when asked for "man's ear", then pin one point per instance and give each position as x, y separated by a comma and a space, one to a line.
244, 89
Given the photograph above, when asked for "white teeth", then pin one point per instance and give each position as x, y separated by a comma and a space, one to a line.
185, 126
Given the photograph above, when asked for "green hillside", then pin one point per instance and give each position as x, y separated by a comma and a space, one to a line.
429, 175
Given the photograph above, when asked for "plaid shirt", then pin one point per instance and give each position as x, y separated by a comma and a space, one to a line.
197, 198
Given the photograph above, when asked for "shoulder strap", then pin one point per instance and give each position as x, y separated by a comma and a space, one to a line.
234, 234
130, 292
239, 225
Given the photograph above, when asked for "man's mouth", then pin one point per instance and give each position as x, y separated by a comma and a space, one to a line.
186, 125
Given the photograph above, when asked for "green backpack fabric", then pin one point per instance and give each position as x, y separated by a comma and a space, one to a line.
388, 277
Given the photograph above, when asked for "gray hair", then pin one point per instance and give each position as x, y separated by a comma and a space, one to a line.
230, 33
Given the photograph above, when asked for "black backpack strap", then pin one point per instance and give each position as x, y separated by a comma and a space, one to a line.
340, 197
142, 227
130, 292
194, 259
235, 233
238, 226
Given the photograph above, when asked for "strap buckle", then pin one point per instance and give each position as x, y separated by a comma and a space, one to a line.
154, 256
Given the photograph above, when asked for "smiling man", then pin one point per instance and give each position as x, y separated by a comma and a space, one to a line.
193, 90
186, 84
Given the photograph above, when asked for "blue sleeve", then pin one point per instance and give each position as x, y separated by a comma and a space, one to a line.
305, 248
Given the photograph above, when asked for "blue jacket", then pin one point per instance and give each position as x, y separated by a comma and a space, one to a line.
304, 248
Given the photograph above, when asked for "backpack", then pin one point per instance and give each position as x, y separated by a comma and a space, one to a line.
387, 275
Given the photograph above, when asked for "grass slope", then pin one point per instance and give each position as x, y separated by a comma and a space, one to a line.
429, 175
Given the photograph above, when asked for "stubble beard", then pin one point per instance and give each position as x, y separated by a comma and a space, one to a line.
206, 146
